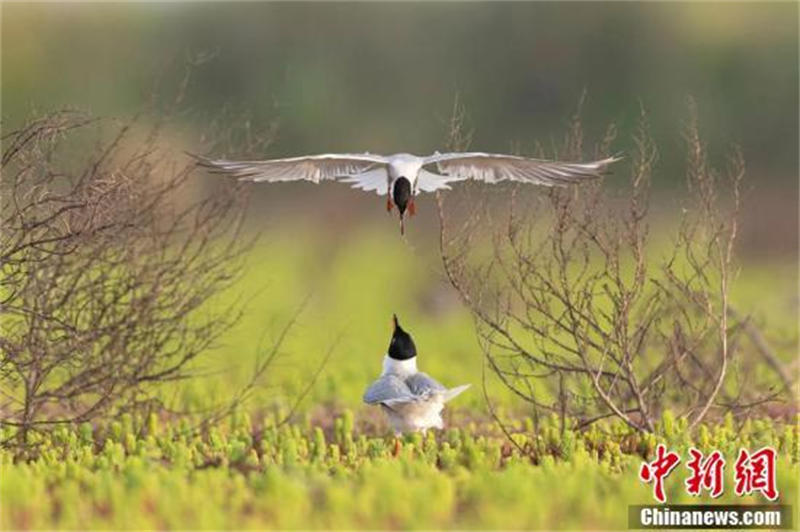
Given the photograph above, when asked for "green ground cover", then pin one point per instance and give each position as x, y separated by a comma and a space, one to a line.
131, 474
331, 466
354, 286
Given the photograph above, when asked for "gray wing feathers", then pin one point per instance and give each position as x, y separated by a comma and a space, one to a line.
388, 389
453, 392
422, 384
425, 386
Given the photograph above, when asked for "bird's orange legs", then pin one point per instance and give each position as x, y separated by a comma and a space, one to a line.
389, 204
412, 208
396, 450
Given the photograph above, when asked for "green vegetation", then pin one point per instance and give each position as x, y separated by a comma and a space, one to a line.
144, 474
354, 291
328, 471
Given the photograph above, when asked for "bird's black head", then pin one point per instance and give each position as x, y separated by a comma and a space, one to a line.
402, 346
401, 193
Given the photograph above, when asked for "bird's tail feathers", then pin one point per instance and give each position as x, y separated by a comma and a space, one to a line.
453, 392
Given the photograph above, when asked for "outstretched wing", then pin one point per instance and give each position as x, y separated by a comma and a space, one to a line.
364, 171
376, 180
494, 168
389, 389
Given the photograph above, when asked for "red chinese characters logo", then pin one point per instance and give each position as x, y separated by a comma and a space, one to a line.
756, 472
657, 470
706, 473
753, 472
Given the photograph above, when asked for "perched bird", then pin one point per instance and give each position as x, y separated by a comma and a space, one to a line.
400, 177
412, 400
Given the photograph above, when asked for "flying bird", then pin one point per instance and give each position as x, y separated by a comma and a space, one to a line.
402, 176
411, 400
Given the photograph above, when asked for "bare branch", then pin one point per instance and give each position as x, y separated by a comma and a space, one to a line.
575, 310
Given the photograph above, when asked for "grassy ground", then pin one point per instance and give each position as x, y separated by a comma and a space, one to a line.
134, 475
357, 282
332, 466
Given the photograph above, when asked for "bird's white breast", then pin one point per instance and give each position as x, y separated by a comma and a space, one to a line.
401, 368
404, 165
416, 416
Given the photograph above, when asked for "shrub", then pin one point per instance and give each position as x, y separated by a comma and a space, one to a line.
582, 316
106, 261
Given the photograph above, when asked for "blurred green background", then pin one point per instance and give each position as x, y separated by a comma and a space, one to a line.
382, 78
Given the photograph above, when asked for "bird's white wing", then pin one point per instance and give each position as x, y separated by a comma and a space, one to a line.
364, 171
377, 180
493, 168
389, 389
430, 182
